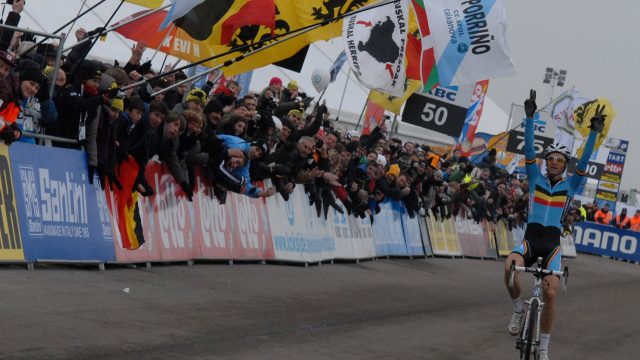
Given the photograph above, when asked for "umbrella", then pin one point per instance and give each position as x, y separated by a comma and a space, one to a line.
172, 40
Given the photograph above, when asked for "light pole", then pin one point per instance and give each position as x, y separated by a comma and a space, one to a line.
554, 78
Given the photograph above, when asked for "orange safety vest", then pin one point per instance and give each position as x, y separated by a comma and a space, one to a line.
602, 218
9, 115
635, 223
624, 222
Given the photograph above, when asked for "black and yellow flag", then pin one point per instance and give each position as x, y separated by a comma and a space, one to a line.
289, 15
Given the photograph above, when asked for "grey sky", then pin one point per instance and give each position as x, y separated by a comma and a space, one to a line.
594, 41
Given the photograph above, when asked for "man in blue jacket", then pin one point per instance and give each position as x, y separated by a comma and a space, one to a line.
253, 151
549, 197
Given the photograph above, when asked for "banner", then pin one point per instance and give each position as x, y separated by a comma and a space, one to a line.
354, 231
387, 230
473, 115
443, 237
61, 216
10, 238
473, 239
442, 109
298, 234
606, 240
609, 183
470, 40
376, 41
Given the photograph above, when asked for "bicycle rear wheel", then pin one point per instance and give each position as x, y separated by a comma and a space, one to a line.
527, 338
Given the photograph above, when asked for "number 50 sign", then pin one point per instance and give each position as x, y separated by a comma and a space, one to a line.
431, 113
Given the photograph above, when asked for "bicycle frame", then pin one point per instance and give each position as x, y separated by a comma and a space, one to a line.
529, 337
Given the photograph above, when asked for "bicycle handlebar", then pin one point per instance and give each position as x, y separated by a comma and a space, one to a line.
541, 271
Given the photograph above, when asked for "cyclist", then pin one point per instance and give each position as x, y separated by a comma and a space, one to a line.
549, 196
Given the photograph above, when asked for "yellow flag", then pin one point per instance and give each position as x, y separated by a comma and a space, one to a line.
582, 119
291, 15
394, 103
151, 4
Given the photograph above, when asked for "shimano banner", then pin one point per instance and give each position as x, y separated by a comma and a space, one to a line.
606, 240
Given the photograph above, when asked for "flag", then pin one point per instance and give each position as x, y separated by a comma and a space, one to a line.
178, 10
561, 110
469, 38
337, 65
427, 60
291, 15
376, 41
217, 21
394, 103
126, 206
582, 120
474, 113
373, 114
151, 4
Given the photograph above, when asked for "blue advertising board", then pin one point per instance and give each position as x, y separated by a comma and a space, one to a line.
606, 240
63, 216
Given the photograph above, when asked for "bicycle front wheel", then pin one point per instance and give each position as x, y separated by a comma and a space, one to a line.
527, 338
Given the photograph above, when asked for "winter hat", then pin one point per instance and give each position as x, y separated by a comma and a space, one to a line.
30, 70
352, 133
89, 70
381, 160
197, 95
295, 112
394, 170
117, 104
262, 145
293, 85
213, 106
275, 81
277, 123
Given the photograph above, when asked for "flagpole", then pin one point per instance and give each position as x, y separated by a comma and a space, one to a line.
343, 92
95, 40
162, 43
290, 35
64, 26
113, 28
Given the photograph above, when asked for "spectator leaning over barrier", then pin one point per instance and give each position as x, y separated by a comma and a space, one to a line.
604, 215
635, 221
550, 194
622, 221
143, 134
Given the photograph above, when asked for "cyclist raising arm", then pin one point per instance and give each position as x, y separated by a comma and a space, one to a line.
549, 197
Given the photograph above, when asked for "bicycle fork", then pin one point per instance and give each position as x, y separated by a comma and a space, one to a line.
535, 339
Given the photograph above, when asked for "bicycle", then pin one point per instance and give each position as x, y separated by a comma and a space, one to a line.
529, 336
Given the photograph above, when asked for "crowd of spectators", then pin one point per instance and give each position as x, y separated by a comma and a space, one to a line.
277, 133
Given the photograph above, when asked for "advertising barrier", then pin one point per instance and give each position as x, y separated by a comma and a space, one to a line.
10, 237
297, 232
50, 211
61, 217
599, 239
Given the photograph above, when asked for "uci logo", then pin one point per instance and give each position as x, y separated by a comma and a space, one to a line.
288, 206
